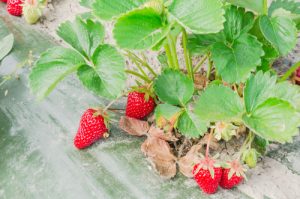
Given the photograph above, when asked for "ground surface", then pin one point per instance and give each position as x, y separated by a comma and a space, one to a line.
38, 160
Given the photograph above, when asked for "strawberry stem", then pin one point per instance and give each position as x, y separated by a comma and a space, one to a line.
247, 143
197, 67
290, 72
187, 57
208, 142
145, 78
210, 66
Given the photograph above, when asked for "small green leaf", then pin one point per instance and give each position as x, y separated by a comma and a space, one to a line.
86, 3
140, 29
288, 92
174, 88
198, 16
6, 44
235, 62
274, 120
258, 89
219, 103
166, 112
255, 5
281, 32
52, 67
83, 36
288, 5
108, 9
238, 22
201, 44
110, 66
190, 125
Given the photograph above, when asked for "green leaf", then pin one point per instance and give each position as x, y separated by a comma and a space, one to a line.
254, 5
190, 125
238, 22
163, 60
52, 67
108, 9
86, 3
235, 62
260, 144
174, 88
6, 44
198, 16
140, 29
274, 120
166, 112
83, 36
109, 65
201, 44
281, 32
258, 89
288, 5
288, 92
219, 103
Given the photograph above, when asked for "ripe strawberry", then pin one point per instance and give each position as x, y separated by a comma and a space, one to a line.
207, 175
14, 7
139, 105
92, 127
298, 76
233, 174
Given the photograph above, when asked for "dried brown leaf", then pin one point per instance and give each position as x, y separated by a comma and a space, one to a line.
187, 162
213, 143
160, 133
159, 153
134, 126
200, 81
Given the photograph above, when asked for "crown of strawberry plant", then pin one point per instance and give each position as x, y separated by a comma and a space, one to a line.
240, 39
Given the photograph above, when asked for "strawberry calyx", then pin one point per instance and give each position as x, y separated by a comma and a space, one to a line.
101, 112
236, 168
148, 90
207, 164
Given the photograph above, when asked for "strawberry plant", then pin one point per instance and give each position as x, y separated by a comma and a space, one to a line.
237, 97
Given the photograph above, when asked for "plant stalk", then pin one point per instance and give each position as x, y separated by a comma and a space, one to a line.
172, 47
290, 72
210, 66
265, 7
145, 78
169, 56
197, 67
208, 142
187, 57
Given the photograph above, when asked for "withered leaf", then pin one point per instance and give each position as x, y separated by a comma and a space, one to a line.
134, 126
200, 81
213, 143
159, 153
187, 162
160, 133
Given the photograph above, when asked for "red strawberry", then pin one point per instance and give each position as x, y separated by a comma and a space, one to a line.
233, 175
4, 1
207, 175
14, 7
138, 106
298, 76
92, 127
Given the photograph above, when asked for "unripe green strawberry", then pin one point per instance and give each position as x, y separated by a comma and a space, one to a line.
225, 131
32, 10
250, 158
156, 5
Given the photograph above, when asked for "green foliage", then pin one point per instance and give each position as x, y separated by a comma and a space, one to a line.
52, 67
258, 88
198, 16
166, 112
6, 45
235, 62
108, 9
84, 36
99, 67
281, 32
179, 89
129, 34
274, 120
190, 125
86, 3
260, 144
234, 51
219, 103
254, 5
